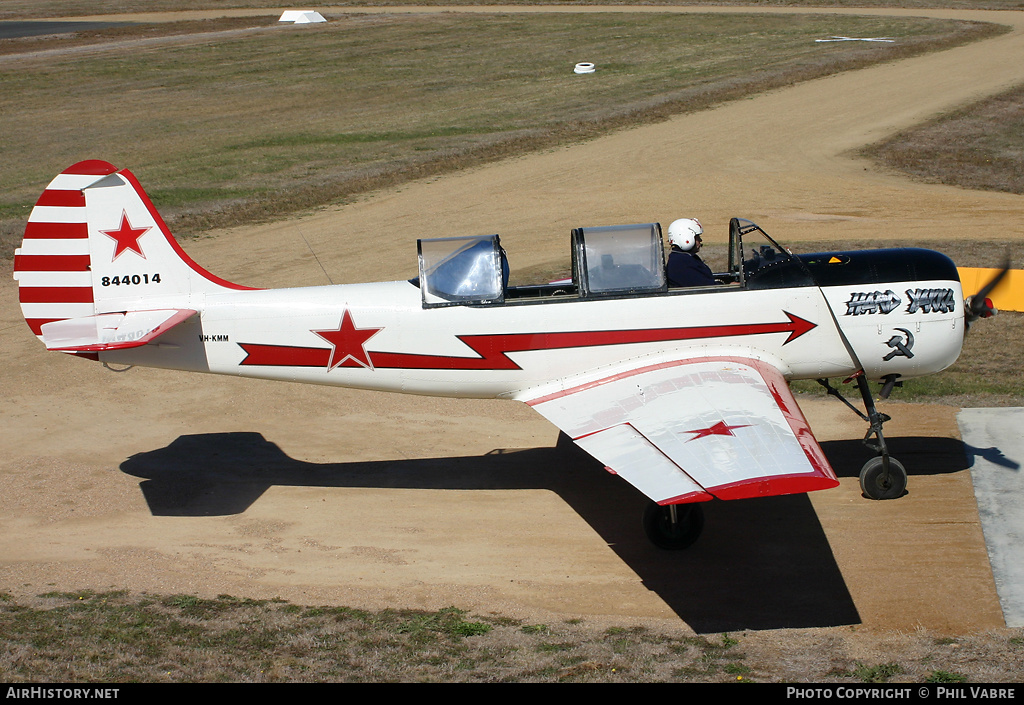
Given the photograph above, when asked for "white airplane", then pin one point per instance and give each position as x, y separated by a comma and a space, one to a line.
681, 391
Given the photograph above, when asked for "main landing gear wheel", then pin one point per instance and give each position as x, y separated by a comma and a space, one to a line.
882, 477
675, 526
876, 483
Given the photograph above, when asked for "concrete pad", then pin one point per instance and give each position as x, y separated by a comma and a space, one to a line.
995, 450
301, 17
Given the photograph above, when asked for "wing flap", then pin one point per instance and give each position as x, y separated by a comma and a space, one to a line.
111, 331
724, 426
627, 453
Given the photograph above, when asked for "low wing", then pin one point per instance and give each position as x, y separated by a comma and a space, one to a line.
693, 430
111, 331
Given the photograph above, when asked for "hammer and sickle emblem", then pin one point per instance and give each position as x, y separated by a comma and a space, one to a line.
899, 345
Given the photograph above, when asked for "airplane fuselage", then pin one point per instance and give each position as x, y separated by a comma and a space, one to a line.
379, 336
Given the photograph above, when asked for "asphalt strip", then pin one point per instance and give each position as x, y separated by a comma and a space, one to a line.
19, 30
995, 453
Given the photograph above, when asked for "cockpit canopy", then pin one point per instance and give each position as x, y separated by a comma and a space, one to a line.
629, 260
614, 260
618, 259
459, 270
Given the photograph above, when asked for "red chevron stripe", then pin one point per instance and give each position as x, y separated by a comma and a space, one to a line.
492, 350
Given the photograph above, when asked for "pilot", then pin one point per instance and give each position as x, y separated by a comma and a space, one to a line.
684, 267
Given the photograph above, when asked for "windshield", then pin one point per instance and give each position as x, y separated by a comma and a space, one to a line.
760, 262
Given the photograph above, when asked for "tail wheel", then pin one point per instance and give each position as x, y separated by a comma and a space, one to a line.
675, 526
875, 483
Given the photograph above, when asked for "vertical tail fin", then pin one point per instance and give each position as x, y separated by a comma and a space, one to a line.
94, 245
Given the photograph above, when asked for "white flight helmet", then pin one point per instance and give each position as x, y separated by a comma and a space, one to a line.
683, 233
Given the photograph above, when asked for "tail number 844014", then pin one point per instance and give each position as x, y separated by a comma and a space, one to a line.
131, 279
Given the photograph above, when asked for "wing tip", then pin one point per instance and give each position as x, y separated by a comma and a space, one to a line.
774, 486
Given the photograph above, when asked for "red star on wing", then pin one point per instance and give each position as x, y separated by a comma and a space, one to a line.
348, 343
719, 429
126, 237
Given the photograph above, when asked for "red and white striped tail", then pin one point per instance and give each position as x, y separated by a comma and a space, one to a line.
95, 245
52, 265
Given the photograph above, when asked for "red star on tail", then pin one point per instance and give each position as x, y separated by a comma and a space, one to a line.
348, 343
126, 237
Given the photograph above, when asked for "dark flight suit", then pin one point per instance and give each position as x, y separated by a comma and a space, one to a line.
684, 269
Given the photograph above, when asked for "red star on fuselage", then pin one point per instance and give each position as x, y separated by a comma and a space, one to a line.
126, 237
348, 343
719, 429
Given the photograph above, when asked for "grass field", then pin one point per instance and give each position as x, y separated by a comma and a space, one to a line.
13, 9
259, 124
978, 147
120, 638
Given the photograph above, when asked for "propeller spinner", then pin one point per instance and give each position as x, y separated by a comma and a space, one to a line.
979, 305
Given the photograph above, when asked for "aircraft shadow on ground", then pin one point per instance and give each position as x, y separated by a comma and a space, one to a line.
760, 564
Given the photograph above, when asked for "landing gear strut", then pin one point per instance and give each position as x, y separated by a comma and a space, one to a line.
675, 526
882, 477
